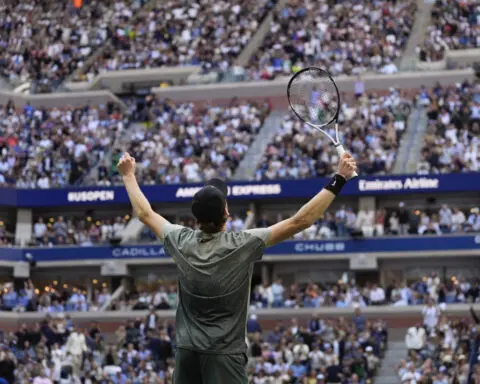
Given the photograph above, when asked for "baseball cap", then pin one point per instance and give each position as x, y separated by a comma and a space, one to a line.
208, 205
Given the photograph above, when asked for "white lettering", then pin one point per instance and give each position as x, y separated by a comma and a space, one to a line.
398, 185
313, 247
138, 252
236, 190
86, 196
186, 192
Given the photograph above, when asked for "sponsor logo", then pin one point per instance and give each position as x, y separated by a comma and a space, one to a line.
237, 190
138, 252
316, 247
86, 196
410, 183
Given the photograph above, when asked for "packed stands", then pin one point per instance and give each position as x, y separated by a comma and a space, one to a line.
58, 297
44, 42
210, 34
371, 129
42, 148
186, 144
56, 350
341, 36
455, 25
451, 143
88, 230
443, 350
326, 351
83, 230
348, 294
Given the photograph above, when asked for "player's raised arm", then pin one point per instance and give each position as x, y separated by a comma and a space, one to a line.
143, 209
315, 208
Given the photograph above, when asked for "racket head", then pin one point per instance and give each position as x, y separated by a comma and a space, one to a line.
314, 97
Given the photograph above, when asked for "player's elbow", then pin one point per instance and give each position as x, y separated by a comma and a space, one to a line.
300, 223
143, 216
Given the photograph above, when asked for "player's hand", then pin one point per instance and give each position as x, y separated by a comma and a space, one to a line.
347, 166
126, 165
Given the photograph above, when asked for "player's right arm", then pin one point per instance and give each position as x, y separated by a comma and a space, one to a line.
140, 204
316, 207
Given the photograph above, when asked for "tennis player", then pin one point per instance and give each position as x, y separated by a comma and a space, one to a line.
215, 271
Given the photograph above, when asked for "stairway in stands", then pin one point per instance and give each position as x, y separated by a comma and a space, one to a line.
422, 20
411, 143
396, 351
247, 167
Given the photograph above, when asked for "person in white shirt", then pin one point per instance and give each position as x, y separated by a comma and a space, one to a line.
431, 315
76, 346
39, 228
458, 219
415, 338
377, 295
316, 356
366, 222
411, 376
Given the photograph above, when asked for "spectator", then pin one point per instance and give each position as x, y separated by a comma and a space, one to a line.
321, 33
454, 26
415, 338
369, 135
210, 35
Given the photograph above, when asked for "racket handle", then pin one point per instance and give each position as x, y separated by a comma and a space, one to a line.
341, 152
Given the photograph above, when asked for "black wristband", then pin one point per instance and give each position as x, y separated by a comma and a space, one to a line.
336, 184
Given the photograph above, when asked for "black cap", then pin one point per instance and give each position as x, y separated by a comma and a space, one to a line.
208, 205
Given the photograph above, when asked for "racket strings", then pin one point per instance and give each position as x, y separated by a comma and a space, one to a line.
314, 97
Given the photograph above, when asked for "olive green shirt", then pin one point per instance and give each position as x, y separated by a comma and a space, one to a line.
215, 273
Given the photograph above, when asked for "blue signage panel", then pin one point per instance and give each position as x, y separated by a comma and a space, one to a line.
288, 248
368, 186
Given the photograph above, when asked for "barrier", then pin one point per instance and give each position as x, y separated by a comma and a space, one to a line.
285, 189
259, 90
396, 317
305, 250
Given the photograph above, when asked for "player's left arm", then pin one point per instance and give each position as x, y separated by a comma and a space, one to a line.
140, 204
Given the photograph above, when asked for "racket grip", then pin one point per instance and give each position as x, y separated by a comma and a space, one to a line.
341, 152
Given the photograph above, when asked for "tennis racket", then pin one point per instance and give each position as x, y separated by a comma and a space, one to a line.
314, 98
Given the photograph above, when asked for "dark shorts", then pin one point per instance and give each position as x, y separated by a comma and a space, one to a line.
201, 368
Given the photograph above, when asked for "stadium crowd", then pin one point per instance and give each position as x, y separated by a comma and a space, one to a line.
182, 143
399, 221
442, 350
58, 297
43, 149
370, 130
210, 34
454, 25
141, 351
83, 230
323, 351
451, 143
348, 294
43, 42
56, 351
342, 36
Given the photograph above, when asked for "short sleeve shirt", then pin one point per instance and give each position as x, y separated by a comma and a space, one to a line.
215, 272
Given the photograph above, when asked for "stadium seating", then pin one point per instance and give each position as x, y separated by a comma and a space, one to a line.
44, 42
210, 34
82, 230
186, 144
371, 129
455, 25
451, 141
341, 36
44, 149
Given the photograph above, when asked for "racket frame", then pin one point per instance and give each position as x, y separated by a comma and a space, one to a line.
336, 141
